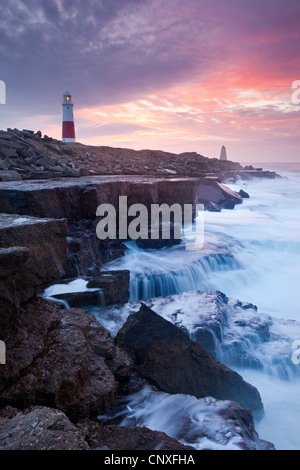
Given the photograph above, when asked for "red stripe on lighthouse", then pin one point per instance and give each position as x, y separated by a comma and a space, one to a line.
68, 130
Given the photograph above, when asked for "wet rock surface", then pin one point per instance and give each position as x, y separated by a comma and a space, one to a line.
78, 200
40, 428
235, 333
205, 423
167, 358
32, 254
113, 437
62, 359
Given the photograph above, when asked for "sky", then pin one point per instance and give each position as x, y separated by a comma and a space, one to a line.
174, 75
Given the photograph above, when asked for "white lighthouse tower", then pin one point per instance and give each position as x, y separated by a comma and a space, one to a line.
68, 127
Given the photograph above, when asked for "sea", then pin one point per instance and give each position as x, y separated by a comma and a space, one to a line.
258, 261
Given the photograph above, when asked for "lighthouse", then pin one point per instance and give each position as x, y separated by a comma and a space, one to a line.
68, 127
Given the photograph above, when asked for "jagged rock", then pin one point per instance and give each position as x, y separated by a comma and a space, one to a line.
119, 161
83, 171
44, 175
40, 428
114, 284
206, 423
244, 194
36, 249
53, 147
212, 207
12, 261
39, 152
10, 175
79, 200
62, 359
88, 253
114, 437
167, 358
80, 299
5, 137
46, 138
70, 173
27, 131
8, 152
37, 135
231, 330
150, 242
67, 150
46, 161
24, 153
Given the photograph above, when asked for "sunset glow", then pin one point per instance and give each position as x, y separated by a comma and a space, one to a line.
158, 74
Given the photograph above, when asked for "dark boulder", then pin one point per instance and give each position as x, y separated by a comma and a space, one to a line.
160, 242
61, 359
115, 437
212, 207
80, 299
243, 194
32, 254
39, 428
168, 359
114, 285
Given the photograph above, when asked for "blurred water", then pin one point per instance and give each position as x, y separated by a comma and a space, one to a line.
258, 261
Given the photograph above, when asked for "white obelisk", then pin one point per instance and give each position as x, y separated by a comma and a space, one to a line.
223, 155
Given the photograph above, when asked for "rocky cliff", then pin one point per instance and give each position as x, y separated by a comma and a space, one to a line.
29, 155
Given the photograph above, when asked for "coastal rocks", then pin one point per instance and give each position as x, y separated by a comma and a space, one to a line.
206, 423
234, 332
12, 261
167, 358
211, 191
42, 428
244, 194
27, 147
32, 254
105, 288
9, 175
78, 200
160, 242
39, 428
86, 252
113, 437
114, 285
79, 299
29, 156
62, 359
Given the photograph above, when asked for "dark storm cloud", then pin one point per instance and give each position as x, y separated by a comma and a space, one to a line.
49, 45
104, 51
